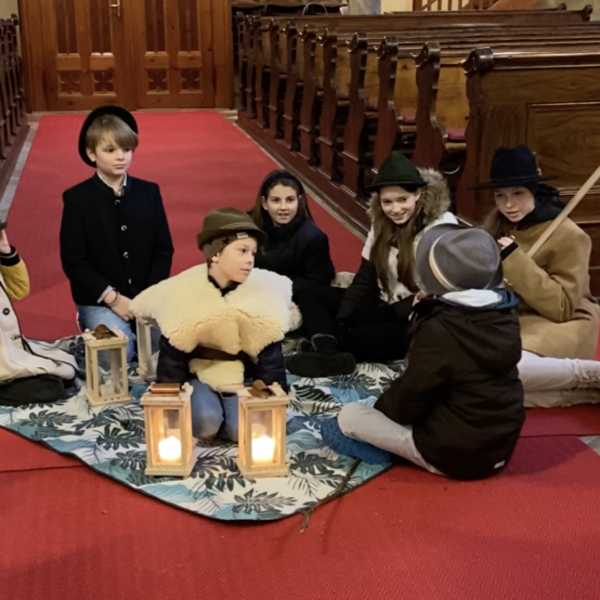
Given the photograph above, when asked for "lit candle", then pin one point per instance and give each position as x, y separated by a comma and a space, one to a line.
169, 449
263, 450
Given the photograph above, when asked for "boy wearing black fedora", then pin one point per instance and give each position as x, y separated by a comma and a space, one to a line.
458, 408
114, 236
222, 322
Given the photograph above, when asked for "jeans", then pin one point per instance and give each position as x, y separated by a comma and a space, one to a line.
212, 412
89, 317
367, 424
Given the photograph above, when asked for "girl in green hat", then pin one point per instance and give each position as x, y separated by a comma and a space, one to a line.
368, 322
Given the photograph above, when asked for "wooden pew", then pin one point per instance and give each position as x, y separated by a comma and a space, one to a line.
442, 110
13, 121
321, 148
352, 24
444, 119
554, 108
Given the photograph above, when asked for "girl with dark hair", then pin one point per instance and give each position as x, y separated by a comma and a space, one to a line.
296, 247
368, 322
559, 317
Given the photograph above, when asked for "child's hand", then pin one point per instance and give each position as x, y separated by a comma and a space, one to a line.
505, 242
418, 297
4, 245
122, 308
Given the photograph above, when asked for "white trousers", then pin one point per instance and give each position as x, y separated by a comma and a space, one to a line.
366, 424
559, 381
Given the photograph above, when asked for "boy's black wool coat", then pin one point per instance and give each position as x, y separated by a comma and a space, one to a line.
461, 390
107, 240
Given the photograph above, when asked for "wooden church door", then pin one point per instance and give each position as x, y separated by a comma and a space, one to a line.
80, 54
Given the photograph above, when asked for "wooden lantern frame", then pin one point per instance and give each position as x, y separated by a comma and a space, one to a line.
172, 397
115, 341
260, 398
146, 366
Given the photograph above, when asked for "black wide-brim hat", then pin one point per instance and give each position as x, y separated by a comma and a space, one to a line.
228, 220
452, 258
513, 167
118, 111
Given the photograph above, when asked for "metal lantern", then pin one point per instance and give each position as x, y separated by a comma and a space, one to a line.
168, 420
146, 366
106, 366
262, 435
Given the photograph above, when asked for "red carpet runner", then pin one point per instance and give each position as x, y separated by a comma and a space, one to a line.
200, 162
534, 532
68, 533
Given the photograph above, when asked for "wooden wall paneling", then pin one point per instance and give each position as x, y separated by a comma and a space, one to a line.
171, 56
33, 55
50, 49
223, 52
207, 48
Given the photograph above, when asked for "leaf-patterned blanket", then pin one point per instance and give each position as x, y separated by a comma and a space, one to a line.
111, 440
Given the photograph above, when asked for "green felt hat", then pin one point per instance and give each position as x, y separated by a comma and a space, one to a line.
227, 222
396, 169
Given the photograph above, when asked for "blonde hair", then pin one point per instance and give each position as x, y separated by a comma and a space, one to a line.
122, 134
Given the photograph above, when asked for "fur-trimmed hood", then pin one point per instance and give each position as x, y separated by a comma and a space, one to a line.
435, 198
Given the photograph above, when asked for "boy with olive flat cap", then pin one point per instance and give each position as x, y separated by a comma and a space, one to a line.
222, 322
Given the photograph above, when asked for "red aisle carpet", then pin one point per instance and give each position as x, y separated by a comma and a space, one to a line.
534, 532
70, 534
183, 153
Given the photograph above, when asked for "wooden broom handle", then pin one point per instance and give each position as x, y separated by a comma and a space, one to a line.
566, 211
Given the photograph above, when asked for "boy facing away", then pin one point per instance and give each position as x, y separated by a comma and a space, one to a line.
458, 408
114, 237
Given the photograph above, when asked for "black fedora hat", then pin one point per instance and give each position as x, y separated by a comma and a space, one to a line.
118, 111
512, 167
452, 258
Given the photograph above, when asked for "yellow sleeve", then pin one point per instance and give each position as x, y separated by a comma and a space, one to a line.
16, 280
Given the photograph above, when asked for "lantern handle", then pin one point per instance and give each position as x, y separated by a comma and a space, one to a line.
102, 332
260, 389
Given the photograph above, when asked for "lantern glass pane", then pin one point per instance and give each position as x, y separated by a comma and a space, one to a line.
168, 436
144, 345
110, 372
263, 440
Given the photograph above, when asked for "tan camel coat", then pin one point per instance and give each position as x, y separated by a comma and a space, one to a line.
559, 316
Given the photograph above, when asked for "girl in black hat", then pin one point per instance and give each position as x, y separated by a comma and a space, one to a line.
295, 246
368, 322
114, 236
559, 316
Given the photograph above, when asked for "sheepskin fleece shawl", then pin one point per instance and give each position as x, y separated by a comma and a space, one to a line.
190, 311
435, 199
